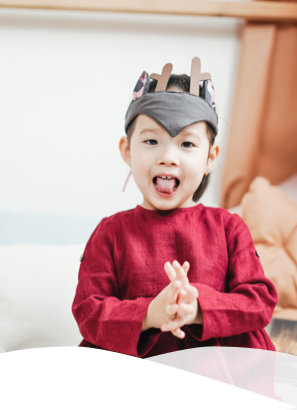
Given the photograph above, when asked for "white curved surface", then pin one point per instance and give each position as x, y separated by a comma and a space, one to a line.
271, 374
76, 378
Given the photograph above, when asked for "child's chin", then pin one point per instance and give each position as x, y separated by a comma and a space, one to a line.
165, 205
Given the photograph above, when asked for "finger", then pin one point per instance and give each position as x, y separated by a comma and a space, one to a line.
187, 294
172, 309
173, 325
184, 310
191, 294
181, 296
180, 273
169, 271
173, 289
186, 267
178, 333
191, 291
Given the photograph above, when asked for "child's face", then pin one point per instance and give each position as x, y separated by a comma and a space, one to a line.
153, 154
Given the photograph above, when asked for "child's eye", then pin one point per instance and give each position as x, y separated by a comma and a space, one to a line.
187, 144
151, 142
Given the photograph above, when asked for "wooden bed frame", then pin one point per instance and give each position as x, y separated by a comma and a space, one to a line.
266, 11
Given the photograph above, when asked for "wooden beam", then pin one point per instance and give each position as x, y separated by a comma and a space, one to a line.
255, 11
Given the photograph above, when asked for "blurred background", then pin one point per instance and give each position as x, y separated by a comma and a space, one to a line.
66, 82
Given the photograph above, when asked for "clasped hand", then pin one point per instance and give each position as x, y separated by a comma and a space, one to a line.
176, 305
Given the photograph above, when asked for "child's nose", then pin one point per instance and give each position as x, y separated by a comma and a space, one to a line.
168, 157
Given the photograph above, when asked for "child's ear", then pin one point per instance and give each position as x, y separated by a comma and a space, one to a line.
125, 150
212, 158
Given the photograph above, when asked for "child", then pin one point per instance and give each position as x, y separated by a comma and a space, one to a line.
130, 298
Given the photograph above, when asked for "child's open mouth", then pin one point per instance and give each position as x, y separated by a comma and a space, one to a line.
166, 185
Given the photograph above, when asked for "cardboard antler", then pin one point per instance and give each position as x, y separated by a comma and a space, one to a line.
197, 76
163, 78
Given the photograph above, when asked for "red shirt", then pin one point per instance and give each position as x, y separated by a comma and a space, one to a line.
123, 270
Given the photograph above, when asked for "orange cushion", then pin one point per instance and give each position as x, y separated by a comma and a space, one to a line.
272, 220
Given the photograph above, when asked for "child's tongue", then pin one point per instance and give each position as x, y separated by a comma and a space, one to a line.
166, 186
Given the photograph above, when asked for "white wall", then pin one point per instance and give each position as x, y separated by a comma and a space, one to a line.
66, 79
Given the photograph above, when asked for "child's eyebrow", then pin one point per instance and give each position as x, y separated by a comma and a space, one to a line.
190, 134
153, 130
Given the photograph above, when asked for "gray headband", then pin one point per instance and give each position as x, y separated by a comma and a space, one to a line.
173, 110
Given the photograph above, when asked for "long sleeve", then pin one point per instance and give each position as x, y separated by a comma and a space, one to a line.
103, 318
249, 302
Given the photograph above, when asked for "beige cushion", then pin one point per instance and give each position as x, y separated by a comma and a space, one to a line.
272, 220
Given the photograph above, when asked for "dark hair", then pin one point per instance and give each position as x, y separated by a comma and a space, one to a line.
180, 83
